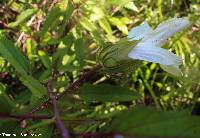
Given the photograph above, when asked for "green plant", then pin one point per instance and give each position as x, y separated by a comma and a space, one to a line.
51, 70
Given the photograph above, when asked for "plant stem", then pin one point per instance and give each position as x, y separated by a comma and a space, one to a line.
146, 84
59, 123
83, 78
155, 99
73, 87
21, 117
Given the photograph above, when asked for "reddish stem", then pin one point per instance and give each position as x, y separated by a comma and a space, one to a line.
21, 117
60, 125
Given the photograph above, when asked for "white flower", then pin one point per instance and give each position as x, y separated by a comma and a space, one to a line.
149, 46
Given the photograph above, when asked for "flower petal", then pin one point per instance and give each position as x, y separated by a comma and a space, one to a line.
156, 39
154, 54
159, 36
139, 32
174, 70
174, 24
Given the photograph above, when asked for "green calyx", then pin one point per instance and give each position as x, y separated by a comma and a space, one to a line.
114, 58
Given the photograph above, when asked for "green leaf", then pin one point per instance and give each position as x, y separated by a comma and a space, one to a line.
126, 20
119, 24
9, 126
106, 93
44, 75
61, 82
80, 49
19, 62
44, 131
67, 15
149, 122
67, 59
13, 55
6, 104
51, 19
105, 25
37, 89
40, 124
124, 3
63, 56
45, 59
34, 102
54, 15
118, 2
62, 49
23, 98
131, 6
23, 17
31, 49
97, 14
88, 25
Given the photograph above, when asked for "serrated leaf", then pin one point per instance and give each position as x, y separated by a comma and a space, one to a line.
105, 25
131, 6
93, 30
97, 13
106, 93
126, 20
88, 25
23, 17
119, 24
149, 122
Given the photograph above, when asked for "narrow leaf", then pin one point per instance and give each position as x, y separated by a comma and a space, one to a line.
19, 62
53, 16
119, 24
89, 26
23, 17
45, 59
34, 85
13, 55
80, 51
105, 25
106, 93
6, 104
